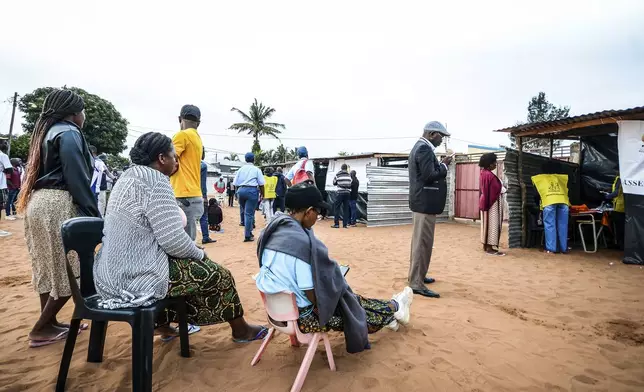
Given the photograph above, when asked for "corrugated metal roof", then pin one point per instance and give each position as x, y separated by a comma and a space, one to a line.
548, 127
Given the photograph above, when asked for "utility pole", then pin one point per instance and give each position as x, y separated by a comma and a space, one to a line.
13, 116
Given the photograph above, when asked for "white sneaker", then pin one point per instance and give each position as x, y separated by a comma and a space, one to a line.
393, 325
12, 217
4, 233
404, 299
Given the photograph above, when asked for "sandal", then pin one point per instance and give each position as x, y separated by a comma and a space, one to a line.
260, 336
191, 329
40, 343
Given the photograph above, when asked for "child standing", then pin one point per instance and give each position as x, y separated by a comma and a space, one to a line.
269, 193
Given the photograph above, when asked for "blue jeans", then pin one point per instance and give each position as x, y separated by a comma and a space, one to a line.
555, 225
353, 205
12, 195
248, 199
203, 222
341, 201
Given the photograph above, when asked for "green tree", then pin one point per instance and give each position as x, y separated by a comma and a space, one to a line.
104, 126
344, 154
117, 162
255, 124
19, 146
540, 110
232, 157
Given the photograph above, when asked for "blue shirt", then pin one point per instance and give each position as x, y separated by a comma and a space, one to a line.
204, 179
249, 175
282, 272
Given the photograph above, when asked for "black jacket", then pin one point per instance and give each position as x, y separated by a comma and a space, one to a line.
66, 164
427, 184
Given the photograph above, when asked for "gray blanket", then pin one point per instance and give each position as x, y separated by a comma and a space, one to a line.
333, 294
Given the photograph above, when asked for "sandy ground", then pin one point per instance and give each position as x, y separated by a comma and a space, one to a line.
525, 322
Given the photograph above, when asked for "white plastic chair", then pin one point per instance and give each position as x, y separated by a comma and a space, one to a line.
282, 307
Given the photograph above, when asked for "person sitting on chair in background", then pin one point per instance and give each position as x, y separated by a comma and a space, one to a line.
220, 188
292, 258
215, 215
147, 256
553, 194
618, 216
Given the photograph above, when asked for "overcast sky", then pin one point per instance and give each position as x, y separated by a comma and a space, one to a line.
332, 69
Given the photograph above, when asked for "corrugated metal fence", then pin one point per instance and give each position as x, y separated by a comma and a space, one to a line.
466, 196
531, 167
388, 190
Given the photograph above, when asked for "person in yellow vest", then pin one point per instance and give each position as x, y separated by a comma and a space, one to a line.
269, 193
553, 193
618, 216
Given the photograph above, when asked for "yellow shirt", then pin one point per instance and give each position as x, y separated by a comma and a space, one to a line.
269, 187
186, 182
553, 188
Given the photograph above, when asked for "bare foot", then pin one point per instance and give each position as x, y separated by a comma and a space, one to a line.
48, 332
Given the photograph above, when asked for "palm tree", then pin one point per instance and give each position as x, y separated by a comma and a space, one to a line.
232, 157
292, 155
255, 123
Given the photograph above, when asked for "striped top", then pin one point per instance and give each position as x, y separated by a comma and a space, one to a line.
143, 226
343, 181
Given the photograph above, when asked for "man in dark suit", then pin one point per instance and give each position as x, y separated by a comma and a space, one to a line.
427, 196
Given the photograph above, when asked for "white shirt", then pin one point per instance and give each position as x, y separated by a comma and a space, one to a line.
5, 163
309, 168
433, 147
99, 168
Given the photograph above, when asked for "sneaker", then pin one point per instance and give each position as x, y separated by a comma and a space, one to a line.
12, 217
208, 241
393, 325
4, 233
404, 299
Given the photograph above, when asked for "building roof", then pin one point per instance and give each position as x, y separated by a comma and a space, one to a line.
488, 148
565, 127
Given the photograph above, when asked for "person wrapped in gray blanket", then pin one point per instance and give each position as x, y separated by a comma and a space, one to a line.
292, 259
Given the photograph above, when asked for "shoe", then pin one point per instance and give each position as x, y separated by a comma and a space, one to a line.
208, 241
335, 226
427, 293
429, 280
249, 239
404, 300
393, 325
4, 233
12, 218
241, 225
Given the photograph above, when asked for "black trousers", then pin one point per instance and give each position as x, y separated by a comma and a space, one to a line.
231, 199
619, 222
279, 204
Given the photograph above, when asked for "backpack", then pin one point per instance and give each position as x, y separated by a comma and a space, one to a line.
300, 174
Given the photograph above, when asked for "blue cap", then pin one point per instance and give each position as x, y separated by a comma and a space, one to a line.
302, 152
435, 126
250, 157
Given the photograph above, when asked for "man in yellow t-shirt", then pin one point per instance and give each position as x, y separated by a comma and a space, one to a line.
186, 181
269, 193
553, 191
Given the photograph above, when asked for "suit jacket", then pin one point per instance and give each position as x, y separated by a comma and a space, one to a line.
427, 183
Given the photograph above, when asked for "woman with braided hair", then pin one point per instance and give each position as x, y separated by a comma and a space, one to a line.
147, 255
56, 188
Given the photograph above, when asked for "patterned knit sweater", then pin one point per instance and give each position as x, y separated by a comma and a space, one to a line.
143, 226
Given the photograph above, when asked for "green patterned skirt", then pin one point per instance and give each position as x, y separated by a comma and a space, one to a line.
379, 315
209, 289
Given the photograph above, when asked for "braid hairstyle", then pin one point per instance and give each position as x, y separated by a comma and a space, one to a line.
147, 148
57, 105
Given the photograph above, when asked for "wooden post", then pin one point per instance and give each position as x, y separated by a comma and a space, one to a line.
552, 147
524, 222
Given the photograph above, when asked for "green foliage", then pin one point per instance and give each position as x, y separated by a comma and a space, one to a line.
232, 157
19, 146
344, 154
104, 126
117, 162
540, 110
255, 124
276, 157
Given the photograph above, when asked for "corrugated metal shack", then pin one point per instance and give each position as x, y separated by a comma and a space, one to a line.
594, 131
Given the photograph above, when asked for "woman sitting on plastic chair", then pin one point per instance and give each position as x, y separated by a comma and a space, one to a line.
146, 254
293, 259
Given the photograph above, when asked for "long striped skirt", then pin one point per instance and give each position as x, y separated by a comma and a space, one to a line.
491, 224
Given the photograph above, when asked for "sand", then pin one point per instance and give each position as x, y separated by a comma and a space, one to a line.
524, 322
